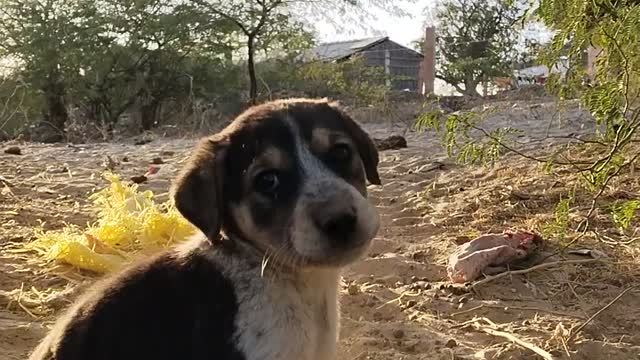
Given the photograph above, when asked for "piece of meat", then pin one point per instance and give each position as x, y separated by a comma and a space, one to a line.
491, 250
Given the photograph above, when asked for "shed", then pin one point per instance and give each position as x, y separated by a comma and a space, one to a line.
397, 60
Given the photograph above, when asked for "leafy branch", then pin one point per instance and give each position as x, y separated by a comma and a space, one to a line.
611, 96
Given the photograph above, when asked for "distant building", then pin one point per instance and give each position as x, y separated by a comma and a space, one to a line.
395, 59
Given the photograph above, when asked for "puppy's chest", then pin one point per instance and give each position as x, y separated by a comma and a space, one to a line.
286, 320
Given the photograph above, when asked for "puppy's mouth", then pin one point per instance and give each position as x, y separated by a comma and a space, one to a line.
338, 258
329, 251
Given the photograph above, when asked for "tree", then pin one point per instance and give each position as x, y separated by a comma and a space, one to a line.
475, 42
611, 27
103, 58
141, 58
254, 19
47, 38
265, 24
604, 162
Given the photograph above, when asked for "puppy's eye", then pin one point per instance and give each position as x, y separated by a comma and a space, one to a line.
340, 152
267, 182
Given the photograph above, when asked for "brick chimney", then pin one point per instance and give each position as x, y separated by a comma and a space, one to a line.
428, 65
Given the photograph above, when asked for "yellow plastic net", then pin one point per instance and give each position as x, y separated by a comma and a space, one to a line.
130, 223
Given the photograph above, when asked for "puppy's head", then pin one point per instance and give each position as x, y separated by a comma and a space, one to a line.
290, 178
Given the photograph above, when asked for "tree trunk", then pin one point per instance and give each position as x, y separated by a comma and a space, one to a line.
148, 115
253, 82
470, 88
56, 115
485, 86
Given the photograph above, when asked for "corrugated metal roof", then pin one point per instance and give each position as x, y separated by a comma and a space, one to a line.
342, 49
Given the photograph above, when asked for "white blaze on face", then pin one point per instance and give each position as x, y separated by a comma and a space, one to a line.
322, 187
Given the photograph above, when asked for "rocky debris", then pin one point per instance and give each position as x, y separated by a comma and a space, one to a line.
157, 161
139, 179
398, 334
451, 343
13, 150
393, 142
142, 141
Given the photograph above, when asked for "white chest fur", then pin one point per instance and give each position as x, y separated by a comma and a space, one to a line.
280, 315
287, 317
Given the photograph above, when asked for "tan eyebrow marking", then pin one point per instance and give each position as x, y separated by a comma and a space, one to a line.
322, 139
271, 158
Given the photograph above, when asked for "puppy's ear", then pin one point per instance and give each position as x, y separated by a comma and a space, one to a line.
197, 192
366, 147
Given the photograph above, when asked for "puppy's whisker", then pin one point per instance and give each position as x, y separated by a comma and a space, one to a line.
265, 261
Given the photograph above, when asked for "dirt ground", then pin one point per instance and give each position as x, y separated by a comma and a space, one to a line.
396, 303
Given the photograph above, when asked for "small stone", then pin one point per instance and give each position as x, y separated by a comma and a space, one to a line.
168, 153
377, 316
157, 161
398, 334
461, 239
353, 289
125, 159
142, 142
420, 285
139, 179
393, 142
451, 344
13, 150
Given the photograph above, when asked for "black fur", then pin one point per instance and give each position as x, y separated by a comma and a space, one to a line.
244, 147
165, 308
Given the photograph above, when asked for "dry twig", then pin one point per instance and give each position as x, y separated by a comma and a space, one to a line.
590, 319
545, 355
467, 311
492, 329
531, 269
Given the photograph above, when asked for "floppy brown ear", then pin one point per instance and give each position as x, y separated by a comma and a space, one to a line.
366, 147
197, 192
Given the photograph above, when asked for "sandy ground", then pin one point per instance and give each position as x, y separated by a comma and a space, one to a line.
396, 303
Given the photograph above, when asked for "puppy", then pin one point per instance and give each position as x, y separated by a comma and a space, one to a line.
280, 198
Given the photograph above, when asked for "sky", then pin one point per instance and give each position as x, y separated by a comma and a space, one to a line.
401, 29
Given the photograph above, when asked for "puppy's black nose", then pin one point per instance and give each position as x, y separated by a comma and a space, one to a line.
339, 227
